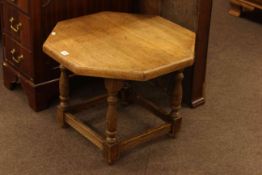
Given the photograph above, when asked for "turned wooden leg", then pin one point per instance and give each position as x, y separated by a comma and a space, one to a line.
64, 96
235, 9
111, 149
125, 94
175, 102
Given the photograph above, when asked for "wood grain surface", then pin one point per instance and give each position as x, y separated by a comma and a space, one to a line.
121, 46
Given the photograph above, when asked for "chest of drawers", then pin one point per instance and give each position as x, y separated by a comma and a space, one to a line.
25, 25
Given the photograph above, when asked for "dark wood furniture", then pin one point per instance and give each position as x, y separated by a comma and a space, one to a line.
26, 24
1, 12
238, 6
195, 15
120, 47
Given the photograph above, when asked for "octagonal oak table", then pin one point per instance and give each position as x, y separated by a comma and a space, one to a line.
119, 47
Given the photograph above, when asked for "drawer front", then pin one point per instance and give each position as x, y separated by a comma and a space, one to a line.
21, 4
18, 56
17, 25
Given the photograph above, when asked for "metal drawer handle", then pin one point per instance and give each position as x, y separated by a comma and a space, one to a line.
16, 59
16, 28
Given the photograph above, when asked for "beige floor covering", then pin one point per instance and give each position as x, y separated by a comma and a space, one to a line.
222, 137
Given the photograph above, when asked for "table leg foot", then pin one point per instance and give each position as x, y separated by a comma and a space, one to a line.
111, 150
64, 96
175, 103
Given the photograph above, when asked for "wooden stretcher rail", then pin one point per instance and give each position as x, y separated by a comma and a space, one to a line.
88, 104
145, 137
159, 112
87, 132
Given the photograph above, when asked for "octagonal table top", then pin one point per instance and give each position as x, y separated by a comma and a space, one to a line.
121, 46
